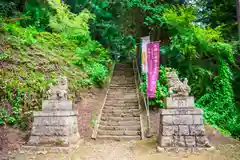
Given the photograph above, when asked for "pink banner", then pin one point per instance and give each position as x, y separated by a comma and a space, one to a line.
153, 57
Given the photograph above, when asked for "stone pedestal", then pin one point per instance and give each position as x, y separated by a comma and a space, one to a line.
181, 125
55, 125
55, 128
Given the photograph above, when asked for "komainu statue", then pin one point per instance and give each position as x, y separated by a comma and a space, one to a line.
175, 86
58, 91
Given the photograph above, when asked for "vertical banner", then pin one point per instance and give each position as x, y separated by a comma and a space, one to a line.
153, 57
145, 41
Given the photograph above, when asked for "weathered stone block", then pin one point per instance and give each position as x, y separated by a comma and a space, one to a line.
197, 119
179, 141
166, 120
54, 121
57, 123
33, 140
166, 141
181, 111
183, 130
190, 141
179, 102
197, 130
169, 130
54, 140
182, 119
202, 141
54, 113
180, 124
56, 105
53, 130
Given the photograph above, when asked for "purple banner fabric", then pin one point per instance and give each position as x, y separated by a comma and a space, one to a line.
153, 55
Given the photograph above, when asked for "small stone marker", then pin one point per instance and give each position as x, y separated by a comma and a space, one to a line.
56, 125
181, 125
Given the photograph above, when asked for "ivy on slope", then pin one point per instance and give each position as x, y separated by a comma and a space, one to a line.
30, 60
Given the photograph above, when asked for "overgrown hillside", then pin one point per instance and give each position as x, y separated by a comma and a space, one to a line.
31, 59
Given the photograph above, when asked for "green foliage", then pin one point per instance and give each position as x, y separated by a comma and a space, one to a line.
198, 53
107, 25
12, 114
7, 8
219, 104
216, 13
161, 88
73, 26
204, 54
97, 73
39, 13
33, 58
21, 36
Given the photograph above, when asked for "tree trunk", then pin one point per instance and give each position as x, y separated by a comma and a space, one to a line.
238, 17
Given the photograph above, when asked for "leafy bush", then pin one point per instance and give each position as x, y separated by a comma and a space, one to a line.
206, 60
198, 53
161, 88
97, 73
39, 13
73, 26
33, 59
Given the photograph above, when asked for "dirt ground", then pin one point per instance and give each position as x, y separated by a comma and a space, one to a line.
226, 148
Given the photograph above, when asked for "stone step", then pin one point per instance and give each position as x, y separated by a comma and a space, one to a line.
122, 90
119, 133
126, 90
124, 67
116, 110
119, 123
123, 75
121, 107
114, 98
122, 81
120, 118
115, 77
119, 93
122, 85
126, 70
122, 102
133, 114
119, 103
129, 128
119, 138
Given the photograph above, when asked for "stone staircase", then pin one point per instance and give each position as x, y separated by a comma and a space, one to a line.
120, 119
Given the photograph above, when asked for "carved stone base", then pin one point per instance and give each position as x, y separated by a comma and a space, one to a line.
182, 128
51, 149
54, 128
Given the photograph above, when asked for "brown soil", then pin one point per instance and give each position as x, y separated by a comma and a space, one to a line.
88, 110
